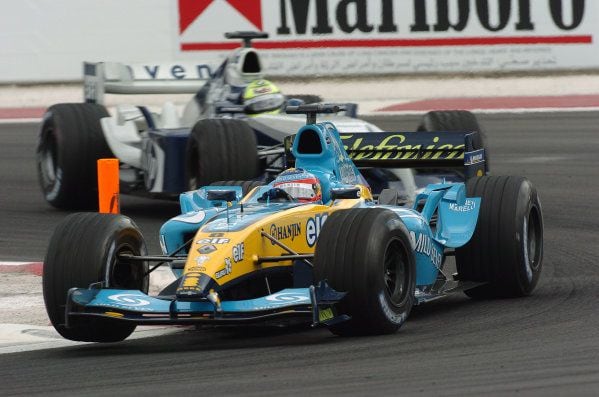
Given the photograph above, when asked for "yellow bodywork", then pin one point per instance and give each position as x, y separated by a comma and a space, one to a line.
225, 256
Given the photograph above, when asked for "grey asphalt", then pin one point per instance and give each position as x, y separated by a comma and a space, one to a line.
546, 344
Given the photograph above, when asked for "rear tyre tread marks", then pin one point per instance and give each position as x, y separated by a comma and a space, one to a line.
495, 254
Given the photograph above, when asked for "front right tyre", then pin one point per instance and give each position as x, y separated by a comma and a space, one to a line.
367, 253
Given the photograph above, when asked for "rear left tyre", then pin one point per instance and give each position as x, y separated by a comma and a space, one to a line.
84, 250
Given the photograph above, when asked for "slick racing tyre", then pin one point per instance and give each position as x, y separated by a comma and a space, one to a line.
70, 142
246, 186
218, 150
367, 253
506, 250
84, 250
456, 120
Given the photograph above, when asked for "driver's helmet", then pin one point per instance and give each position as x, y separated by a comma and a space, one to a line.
300, 185
262, 97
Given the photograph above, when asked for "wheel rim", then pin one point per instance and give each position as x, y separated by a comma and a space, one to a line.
124, 274
48, 158
532, 243
395, 272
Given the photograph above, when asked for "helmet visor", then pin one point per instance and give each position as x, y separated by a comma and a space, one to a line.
264, 103
300, 191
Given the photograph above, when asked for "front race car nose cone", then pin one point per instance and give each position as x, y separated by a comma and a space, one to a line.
195, 286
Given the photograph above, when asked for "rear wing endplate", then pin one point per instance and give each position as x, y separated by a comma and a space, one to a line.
117, 78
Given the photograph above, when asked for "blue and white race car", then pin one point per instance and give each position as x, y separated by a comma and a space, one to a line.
232, 129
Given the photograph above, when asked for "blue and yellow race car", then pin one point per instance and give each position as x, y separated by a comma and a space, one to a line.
312, 246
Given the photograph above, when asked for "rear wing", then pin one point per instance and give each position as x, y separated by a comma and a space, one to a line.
117, 78
421, 150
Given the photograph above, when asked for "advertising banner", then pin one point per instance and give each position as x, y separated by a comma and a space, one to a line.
323, 37
48, 40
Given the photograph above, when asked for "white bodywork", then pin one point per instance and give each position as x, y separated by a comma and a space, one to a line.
124, 130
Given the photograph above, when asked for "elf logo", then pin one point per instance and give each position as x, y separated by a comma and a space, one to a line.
313, 228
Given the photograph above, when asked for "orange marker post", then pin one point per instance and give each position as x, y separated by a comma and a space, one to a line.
108, 186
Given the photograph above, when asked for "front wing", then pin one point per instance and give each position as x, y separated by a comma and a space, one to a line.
315, 304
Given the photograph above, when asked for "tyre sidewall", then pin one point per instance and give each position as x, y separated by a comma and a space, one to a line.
53, 191
394, 314
529, 264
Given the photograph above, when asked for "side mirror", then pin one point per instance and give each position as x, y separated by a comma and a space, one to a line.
349, 193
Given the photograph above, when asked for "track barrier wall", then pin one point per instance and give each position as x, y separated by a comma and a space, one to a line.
47, 41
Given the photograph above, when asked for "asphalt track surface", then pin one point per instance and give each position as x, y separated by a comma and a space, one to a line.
546, 344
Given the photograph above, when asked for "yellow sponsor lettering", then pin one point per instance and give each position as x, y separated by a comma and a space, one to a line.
191, 280
392, 147
114, 314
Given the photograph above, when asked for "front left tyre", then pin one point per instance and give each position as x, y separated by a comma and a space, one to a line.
84, 250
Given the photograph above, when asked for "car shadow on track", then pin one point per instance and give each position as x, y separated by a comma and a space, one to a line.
211, 339
205, 340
